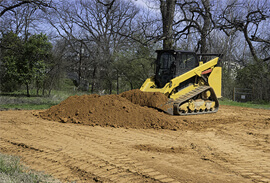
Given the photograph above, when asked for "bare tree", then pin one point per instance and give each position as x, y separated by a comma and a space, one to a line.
6, 5
22, 16
98, 28
194, 17
248, 18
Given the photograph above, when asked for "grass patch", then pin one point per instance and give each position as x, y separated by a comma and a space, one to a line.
20, 101
246, 104
12, 171
28, 103
26, 106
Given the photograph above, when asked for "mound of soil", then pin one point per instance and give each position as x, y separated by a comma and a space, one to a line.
111, 110
149, 99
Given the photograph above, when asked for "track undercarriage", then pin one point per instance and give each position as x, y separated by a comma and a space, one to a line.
201, 100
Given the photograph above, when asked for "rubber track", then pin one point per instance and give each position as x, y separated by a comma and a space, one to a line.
190, 95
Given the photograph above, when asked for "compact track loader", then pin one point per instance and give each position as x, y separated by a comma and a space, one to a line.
192, 86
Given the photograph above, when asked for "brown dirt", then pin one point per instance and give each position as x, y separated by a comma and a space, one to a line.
112, 110
231, 145
149, 99
149, 147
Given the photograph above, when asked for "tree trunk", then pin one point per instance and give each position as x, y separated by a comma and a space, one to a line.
27, 90
206, 26
131, 85
93, 80
80, 65
167, 9
43, 88
251, 47
117, 82
110, 87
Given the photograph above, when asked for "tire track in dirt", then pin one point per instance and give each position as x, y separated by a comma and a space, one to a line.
122, 161
244, 159
78, 161
86, 165
252, 157
81, 153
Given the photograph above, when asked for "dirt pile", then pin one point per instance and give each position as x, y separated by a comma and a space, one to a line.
111, 110
150, 99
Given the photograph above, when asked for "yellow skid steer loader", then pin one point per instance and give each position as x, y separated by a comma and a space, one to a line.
192, 86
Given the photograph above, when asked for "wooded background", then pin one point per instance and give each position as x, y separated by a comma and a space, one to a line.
108, 46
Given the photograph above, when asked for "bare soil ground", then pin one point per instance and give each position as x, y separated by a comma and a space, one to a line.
231, 145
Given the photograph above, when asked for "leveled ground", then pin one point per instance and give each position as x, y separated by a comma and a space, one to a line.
232, 145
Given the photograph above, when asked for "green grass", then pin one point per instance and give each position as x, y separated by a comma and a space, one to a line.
246, 104
28, 103
11, 171
18, 100
26, 106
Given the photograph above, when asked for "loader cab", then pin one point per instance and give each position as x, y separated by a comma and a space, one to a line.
172, 63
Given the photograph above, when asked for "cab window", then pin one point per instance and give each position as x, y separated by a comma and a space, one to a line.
166, 59
188, 61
